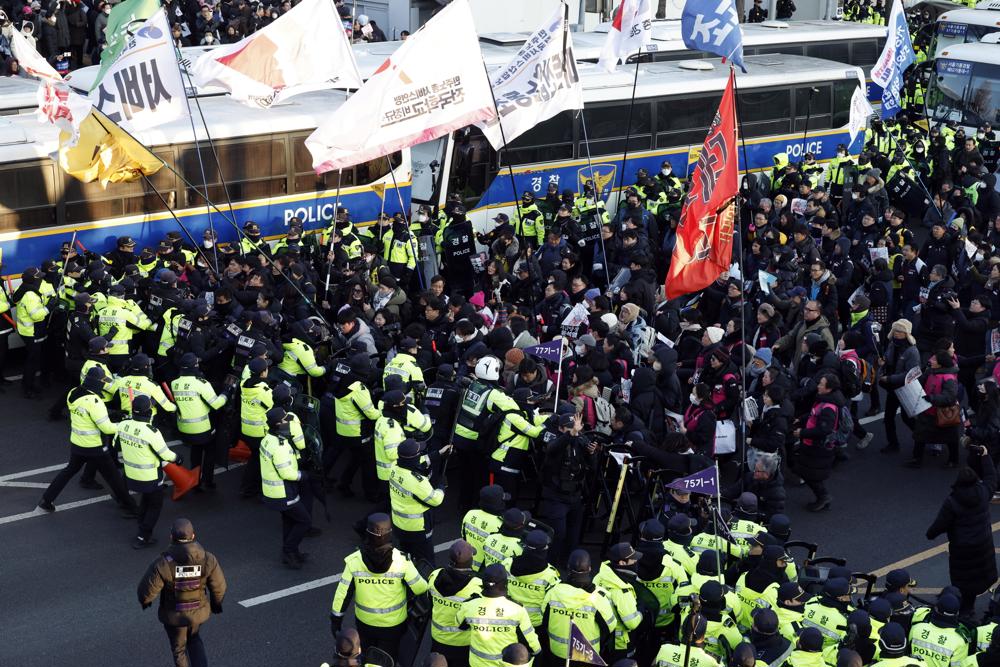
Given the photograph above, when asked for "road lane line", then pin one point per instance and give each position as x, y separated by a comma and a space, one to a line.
921, 556
59, 466
315, 583
873, 418
25, 485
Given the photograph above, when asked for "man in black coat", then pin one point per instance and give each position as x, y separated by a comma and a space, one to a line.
936, 317
191, 586
815, 456
965, 517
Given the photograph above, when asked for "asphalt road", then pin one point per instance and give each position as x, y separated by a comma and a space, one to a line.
68, 580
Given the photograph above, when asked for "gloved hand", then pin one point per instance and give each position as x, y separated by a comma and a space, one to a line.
216, 607
179, 460
335, 623
147, 605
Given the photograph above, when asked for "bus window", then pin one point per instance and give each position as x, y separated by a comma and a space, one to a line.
608, 125
473, 163
546, 142
251, 169
306, 180
964, 92
836, 51
684, 122
817, 109
373, 170
27, 193
843, 91
765, 112
864, 53
89, 201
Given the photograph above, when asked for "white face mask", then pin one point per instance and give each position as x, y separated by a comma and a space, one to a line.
841, 154
208, 244
857, 196
980, 134
657, 366
580, 349
666, 171
694, 399
421, 217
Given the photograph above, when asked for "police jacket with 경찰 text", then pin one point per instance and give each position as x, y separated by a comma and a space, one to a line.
190, 583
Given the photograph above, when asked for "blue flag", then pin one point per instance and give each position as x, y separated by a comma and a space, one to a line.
581, 650
705, 482
896, 57
713, 26
551, 351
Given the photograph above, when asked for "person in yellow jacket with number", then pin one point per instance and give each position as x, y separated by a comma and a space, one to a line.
377, 577
88, 419
145, 454
495, 621
196, 399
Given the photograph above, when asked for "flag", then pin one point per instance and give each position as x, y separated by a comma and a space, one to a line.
120, 25
433, 84
705, 482
861, 111
713, 26
896, 56
631, 30
105, 152
704, 244
305, 49
142, 88
57, 103
551, 351
581, 650
539, 82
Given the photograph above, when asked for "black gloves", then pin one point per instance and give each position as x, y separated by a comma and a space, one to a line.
335, 623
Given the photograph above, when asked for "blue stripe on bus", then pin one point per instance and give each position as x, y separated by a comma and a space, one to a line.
315, 210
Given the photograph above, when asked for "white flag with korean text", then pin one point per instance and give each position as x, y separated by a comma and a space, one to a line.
861, 111
631, 30
539, 82
57, 103
142, 88
433, 84
304, 50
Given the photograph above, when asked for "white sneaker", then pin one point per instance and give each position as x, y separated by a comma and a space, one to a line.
865, 441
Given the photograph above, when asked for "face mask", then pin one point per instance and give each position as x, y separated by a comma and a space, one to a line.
841, 154
657, 366
421, 217
665, 172
580, 349
694, 399
857, 196
208, 244
980, 134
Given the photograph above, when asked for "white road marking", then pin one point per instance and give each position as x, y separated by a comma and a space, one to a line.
64, 506
315, 583
873, 418
31, 473
25, 485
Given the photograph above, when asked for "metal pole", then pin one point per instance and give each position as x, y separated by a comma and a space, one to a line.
503, 138
336, 208
562, 342
590, 167
628, 129
805, 131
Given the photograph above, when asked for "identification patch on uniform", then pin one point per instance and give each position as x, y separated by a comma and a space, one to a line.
187, 571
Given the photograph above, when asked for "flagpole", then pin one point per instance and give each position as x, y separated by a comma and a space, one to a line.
503, 139
715, 520
559, 368
590, 167
329, 260
628, 128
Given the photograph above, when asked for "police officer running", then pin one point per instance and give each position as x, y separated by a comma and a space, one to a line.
283, 487
377, 577
145, 453
191, 585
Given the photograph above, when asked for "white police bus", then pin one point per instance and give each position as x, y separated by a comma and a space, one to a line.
675, 103
965, 85
965, 26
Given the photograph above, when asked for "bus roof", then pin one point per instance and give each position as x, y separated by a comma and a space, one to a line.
988, 17
768, 32
973, 52
18, 95
24, 138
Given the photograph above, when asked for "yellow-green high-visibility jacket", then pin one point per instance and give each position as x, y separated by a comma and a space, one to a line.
498, 548
444, 610
30, 311
564, 603
623, 600
352, 408
664, 588
195, 399
672, 655
117, 314
379, 598
938, 647
388, 436
478, 525
278, 466
255, 401
528, 590
143, 450
494, 624
410, 496
88, 419
132, 386
299, 359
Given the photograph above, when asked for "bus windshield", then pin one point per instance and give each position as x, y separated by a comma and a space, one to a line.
965, 92
951, 33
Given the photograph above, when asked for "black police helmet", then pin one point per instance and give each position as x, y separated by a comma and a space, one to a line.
493, 499
378, 525
142, 407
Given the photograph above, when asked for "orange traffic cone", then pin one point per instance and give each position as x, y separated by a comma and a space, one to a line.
240, 453
184, 480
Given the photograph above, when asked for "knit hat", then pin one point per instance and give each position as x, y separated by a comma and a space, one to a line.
592, 294
766, 309
514, 356
610, 319
715, 334
765, 355
629, 313
906, 327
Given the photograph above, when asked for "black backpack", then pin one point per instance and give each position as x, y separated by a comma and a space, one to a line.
850, 380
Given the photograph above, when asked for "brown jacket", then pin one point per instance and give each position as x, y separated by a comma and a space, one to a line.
159, 580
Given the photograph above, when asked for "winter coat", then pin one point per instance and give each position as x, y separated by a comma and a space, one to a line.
160, 572
768, 431
645, 403
965, 517
926, 429
700, 423
668, 385
936, 317
970, 331
794, 338
814, 462
900, 358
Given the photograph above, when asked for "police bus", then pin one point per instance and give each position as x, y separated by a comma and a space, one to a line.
18, 95
964, 26
265, 165
675, 103
965, 86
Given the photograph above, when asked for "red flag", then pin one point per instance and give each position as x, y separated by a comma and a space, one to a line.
705, 235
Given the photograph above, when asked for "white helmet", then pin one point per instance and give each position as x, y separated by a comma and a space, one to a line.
488, 368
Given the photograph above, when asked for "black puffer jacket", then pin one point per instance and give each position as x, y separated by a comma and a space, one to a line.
965, 518
645, 402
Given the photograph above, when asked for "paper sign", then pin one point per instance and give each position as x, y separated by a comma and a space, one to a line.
911, 395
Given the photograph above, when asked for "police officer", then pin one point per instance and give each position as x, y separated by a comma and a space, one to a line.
251, 243
691, 651
404, 365
828, 613
120, 317
808, 650
531, 575
31, 315
530, 223
458, 247
769, 646
412, 495
255, 400
79, 332
196, 334
791, 604
144, 453
578, 600
441, 403
299, 358
479, 523
495, 621
892, 646
389, 435
355, 419
938, 640
617, 576
758, 588
745, 523
659, 574
450, 587
517, 430
88, 419
722, 634
500, 547
136, 382
196, 399
191, 585
377, 578
398, 248
283, 488
678, 542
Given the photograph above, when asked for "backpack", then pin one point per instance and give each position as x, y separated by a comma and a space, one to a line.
867, 374
842, 431
850, 377
604, 415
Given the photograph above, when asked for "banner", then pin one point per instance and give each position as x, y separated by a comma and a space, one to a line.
630, 32
704, 245
705, 482
713, 26
539, 82
581, 650
142, 88
57, 103
433, 84
861, 111
105, 152
120, 23
896, 56
305, 49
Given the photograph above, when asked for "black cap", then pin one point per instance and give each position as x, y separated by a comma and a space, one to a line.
495, 576
837, 587
811, 640
347, 643
896, 579
947, 605
281, 394
579, 562
514, 519
765, 621
165, 245
790, 590
880, 609
189, 360
892, 637
501, 218
258, 365
201, 309
651, 530
142, 404
139, 362
772, 553
780, 525
623, 551
167, 277
460, 554
275, 416
679, 524
407, 343
394, 398
126, 242
81, 298
410, 449
378, 525
95, 374
492, 498
97, 343
712, 592
182, 530
537, 540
